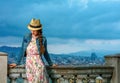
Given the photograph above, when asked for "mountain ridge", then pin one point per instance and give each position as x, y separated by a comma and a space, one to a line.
79, 53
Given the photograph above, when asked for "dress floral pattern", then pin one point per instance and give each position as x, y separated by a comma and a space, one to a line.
35, 68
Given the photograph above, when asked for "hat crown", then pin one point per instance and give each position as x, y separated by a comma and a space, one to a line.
35, 22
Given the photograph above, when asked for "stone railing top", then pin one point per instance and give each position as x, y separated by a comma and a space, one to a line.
69, 69
113, 56
17, 69
81, 67
3, 54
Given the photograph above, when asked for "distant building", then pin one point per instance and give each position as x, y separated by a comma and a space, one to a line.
93, 56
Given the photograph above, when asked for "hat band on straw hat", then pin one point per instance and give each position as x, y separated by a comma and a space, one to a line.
35, 26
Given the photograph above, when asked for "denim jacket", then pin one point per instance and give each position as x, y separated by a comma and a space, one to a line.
26, 41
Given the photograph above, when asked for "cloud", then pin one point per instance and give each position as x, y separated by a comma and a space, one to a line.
60, 46
82, 19
11, 41
69, 25
75, 45
78, 3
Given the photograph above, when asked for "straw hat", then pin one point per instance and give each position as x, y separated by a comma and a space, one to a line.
35, 24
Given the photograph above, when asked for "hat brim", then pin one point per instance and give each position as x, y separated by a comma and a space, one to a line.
32, 28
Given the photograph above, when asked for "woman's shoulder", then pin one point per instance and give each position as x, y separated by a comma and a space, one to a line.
28, 35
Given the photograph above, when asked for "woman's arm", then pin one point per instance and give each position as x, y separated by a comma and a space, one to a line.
47, 57
19, 57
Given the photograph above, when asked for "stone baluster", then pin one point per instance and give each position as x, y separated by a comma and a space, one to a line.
99, 79
61, 79
75, 78
55, 78
24, 78
86, 79
13, 80
66, 79
79, 78
13, 77
72, 79
106, 78
93, 78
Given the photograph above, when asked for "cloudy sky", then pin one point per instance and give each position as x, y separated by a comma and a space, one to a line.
69, 25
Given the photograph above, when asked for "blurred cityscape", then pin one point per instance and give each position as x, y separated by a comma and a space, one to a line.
71, 59
78, 58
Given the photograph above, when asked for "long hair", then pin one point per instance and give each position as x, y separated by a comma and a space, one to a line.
42, 48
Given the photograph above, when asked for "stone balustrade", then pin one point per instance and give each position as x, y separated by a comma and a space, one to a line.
107, 73
17, 73
80, 74
68, 74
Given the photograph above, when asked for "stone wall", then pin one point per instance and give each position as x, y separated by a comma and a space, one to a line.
3, 67
114, 61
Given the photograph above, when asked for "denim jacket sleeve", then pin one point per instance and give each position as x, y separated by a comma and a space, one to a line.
46, 54
20, 56
22, 53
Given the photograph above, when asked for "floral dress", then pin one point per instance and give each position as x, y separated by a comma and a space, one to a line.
35, 68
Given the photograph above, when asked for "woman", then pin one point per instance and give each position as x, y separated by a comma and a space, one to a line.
34, 48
